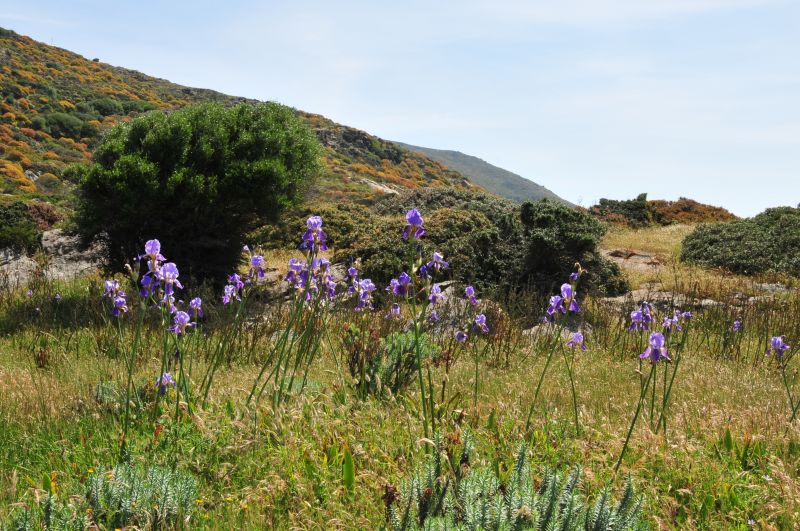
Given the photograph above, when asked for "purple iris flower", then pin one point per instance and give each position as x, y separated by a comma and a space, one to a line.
120, 305
29, 293
149, 285
117, 296
57, 297
656, 350
777, 346
181, 322
687, 315
670, 322
364, 288
576, 341
230, 293
196, 305
556, 305
480, 323
111, 288
434, 317
314, 237
422, 272
413, 224
568, 296
737, 325
437, 263
164, 381
461, 336
257, 266
152, 251
394, 312
399, 286
168, 274
641, 318
330, 288
469, 293
573, 277
236, 281
436, 294
353, 272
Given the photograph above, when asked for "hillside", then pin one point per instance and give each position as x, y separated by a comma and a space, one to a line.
56, 105
493, 179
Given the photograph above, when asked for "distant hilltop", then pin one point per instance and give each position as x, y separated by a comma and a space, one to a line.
493, 179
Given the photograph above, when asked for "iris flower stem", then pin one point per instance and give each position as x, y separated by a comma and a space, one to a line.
541, 379
130, 359
792, 405
164, 357
653, 397
418, 355
572, 385
662, 420
642, 393
478, 357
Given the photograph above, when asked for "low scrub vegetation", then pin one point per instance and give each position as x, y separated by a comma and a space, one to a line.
641, 212
769, 242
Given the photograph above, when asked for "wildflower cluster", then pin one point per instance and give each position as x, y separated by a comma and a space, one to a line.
676, 321
161, 278
361, 288
117, 296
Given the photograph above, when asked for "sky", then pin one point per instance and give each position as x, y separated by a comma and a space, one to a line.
590, 98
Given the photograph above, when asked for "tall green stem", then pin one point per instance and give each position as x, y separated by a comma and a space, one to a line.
642, 392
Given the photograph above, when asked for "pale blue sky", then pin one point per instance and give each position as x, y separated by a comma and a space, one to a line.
591, 98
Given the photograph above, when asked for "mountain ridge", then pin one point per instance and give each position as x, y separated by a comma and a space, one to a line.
492, 178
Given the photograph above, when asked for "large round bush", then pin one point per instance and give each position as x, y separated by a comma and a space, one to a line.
769, 242
198, 179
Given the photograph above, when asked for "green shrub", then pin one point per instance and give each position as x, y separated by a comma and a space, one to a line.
107, 106
198, 179
450, 492
769, 242
63, 124
556, 237
18, 231
490, 242
635, 212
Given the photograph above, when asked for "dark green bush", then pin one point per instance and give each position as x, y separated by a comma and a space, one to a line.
489, 242
556, 237
107, 106
635, 212
769, 242
63, 124
18, 231
198, 179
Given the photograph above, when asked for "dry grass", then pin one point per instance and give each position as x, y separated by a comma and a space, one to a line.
663, 241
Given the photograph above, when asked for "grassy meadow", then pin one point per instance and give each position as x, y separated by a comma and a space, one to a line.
325, 452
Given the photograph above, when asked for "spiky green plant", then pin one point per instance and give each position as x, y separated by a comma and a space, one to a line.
150, 497
447, 493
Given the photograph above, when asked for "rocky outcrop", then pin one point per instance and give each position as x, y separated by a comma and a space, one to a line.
62, 258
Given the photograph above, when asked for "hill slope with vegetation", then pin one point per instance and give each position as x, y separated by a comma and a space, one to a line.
56, 105
495, 180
